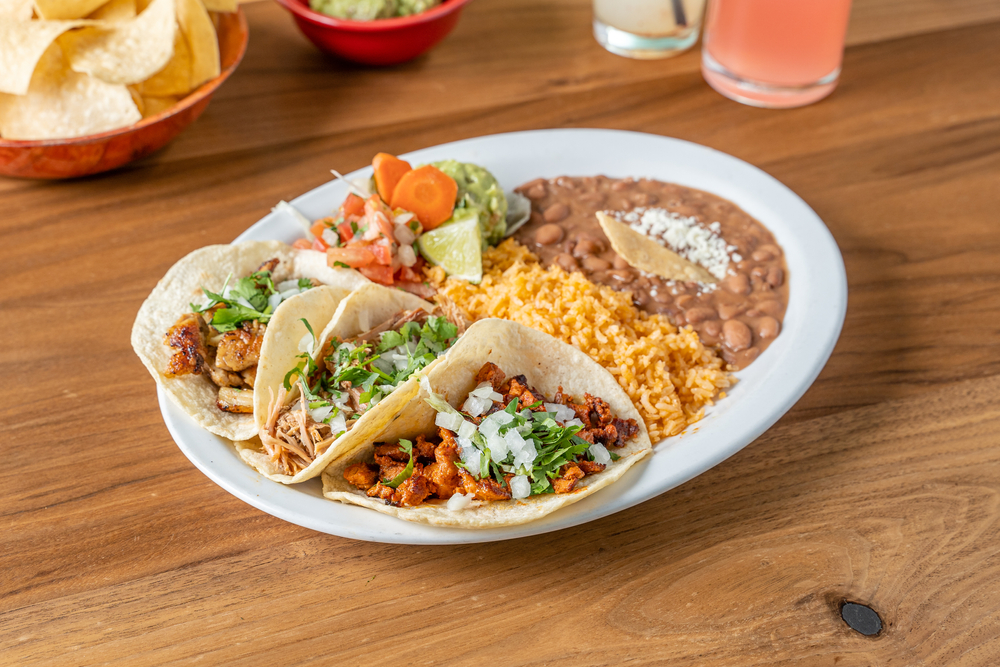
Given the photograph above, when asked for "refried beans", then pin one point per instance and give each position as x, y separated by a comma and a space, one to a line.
741, 314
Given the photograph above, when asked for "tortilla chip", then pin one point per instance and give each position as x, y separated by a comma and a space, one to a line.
209, 267
175, 77
154, 105
220, 5
16, 10
21, 47
202, 40
115, 10
134, 91
368, 306
125, 52
61, 103
645, 254
548, 365
66, 9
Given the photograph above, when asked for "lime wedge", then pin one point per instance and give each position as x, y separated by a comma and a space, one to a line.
456, 247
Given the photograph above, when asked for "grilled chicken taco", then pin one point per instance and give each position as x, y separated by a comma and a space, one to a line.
318, 397
510, 426
208, 322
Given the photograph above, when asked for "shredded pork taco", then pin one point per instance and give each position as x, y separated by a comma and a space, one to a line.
318, 396
205, 327
510, 426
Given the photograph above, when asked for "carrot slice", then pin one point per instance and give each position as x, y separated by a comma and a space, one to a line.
354, 257
388, 170
427, 193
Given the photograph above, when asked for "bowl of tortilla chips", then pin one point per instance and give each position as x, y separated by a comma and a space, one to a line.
90, 85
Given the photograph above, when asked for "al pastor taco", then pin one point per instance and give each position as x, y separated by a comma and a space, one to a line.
318, 400
510, 426
208, 323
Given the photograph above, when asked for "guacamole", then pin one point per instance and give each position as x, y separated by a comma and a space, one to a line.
369, 10
479, 190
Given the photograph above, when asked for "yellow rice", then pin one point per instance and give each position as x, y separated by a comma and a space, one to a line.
666, 371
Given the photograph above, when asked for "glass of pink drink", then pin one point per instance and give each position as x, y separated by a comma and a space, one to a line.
774, 53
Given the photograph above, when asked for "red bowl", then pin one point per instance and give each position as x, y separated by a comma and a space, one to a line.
380, 42
83, 156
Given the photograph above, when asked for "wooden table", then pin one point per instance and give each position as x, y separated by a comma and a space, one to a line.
882, 486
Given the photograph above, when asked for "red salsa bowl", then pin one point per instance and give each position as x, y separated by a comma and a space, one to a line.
95, 153
379, 42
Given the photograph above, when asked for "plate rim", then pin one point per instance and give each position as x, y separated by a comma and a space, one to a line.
405, 532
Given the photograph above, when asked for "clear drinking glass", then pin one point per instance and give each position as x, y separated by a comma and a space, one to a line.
647, 28
774, 53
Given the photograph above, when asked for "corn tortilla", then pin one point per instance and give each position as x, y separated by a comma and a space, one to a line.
547, 364
647, 255
209, 267
366, 307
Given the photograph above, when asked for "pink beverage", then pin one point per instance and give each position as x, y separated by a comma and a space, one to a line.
774, 53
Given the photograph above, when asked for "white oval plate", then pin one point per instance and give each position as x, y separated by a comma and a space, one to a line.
766, 390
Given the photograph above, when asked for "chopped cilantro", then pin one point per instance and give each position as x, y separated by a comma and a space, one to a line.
407, 448
247, 300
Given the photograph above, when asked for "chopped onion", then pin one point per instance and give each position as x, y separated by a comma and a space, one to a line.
243, 302
306, 344
563, 412
498, 447
406, 255
274, 301
573, 422
338, 424
451, 422
459, 502
404, 235
384, 365
600, 453
494, 396
330, 237
466, 430
288, 294
286, 285
527, 455
520, 487
482, 391
403, 218
372, 233
320, 414
475, 406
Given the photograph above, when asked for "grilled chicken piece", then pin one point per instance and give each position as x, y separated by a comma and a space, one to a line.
569, 475
240, 349
187, 338
491, 373
235, 400
224, 378
482, 489
361, 475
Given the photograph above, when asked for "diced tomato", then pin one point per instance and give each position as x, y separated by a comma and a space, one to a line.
383, 255
408, 275
353, 205
378, 274
319, 244
345, 232
318, 227
302, 244
386, 227
354, 256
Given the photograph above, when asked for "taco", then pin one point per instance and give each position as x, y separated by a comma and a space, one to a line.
510, 426
314, 402
208, 322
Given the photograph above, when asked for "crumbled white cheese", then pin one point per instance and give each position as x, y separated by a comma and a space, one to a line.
684, 235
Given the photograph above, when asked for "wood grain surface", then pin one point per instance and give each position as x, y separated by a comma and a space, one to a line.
881, 486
